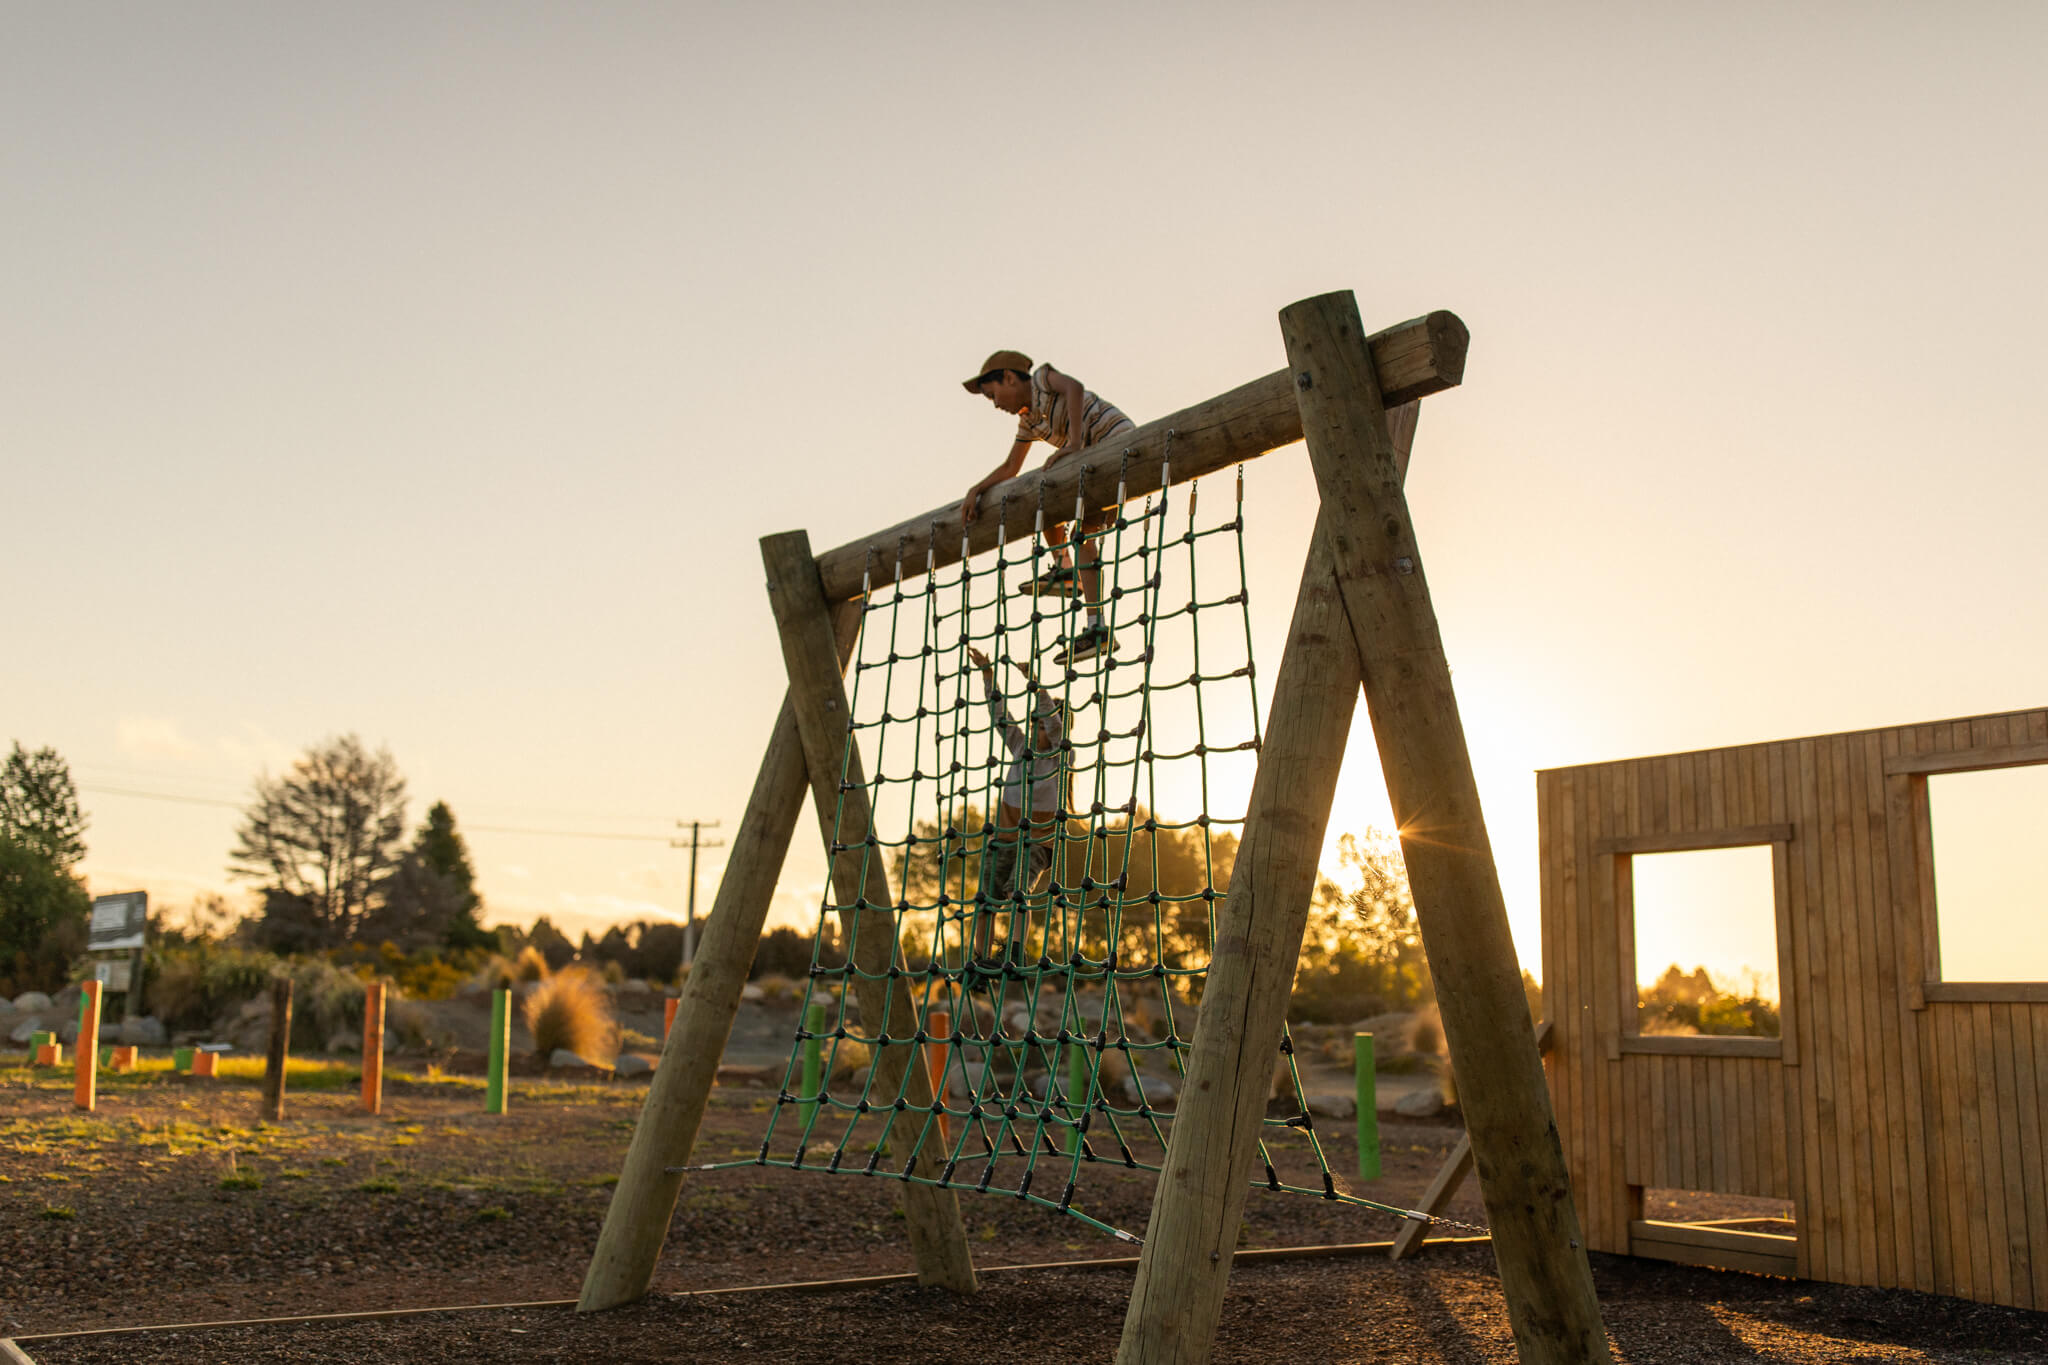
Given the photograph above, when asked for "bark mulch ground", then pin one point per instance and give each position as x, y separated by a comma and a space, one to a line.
174, 1205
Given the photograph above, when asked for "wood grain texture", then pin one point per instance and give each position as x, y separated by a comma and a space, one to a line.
644, 1201
1904, 1116
1423, 356
860, 883
1368, 536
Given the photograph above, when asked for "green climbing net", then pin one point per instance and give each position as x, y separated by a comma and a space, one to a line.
1056, 1013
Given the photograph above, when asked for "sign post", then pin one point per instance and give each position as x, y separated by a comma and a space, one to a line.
114, 942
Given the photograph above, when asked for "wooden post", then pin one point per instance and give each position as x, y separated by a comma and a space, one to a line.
1368, 538
205, 1063
501, 1046
373, 1048
280, 1042
1368, 1117
938, 1238
668, 1015
645, 1199
939, 1024
85, 1094
122, 1058
813, 1078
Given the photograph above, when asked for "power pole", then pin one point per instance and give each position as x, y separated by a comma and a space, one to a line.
696, 828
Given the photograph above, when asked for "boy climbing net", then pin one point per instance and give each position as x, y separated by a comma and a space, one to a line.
1054, 408
1019, 847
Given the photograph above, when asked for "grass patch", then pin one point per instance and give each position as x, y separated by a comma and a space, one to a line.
379, 1184
242, 1180
496, 1213
57, 1213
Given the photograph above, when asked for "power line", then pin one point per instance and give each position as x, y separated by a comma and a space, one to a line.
467, 828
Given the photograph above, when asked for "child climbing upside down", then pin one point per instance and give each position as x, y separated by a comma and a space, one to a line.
1019, 840
1054, 408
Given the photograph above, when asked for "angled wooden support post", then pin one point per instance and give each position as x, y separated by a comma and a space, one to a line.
860, 881
645, 1199
1185, 1267
1369, 538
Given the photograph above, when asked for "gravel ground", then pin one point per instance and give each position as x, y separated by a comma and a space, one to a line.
174, 1205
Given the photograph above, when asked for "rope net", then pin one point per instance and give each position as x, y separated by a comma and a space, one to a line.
1027, 913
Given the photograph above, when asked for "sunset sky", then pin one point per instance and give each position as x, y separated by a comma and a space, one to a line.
430, 372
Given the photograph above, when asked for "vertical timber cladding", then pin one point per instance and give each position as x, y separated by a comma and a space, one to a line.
1905, 1117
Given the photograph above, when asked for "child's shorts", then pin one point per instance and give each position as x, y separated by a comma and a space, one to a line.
1016, 868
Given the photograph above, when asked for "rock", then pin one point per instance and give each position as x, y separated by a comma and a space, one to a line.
259, 1008
635, 1064
28, 1002
344, 1041
67, 1032
1419, 1104
752, 992
561, 1056
24, 1030
110, 1032
1158, 1089
1332, 1104
634, 986
145, 1031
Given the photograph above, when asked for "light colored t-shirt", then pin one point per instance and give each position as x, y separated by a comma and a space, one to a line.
1043, 760
1047, 419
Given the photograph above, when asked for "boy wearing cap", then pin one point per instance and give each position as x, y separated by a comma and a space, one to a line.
1054, 408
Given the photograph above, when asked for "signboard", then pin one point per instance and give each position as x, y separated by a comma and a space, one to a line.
113, 974
118, 922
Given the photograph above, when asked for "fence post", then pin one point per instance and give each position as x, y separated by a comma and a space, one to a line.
501, 1039
939, 1024
814, 1063
280, 1041
1368, 1110
373, 1048
85, 1095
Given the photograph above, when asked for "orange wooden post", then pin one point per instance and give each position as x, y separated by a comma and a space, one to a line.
86, 1094
123, 1058
939, 1024
205, 1063
668, 1015
373, 1048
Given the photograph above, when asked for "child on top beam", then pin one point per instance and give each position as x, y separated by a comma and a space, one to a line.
1054, 408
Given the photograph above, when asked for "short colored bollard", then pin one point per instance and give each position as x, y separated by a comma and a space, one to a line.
121, 1058
205, 1063
814, 1065
85, 1094
939, 1023
668, 1015
50, 1054
1368, 1110
373, 1048
501, 1041
181, 1058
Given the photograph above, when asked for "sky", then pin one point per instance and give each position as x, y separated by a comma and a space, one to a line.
429, 372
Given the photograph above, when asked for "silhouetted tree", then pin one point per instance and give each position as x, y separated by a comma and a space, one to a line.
322, 842
431, 900
39, 807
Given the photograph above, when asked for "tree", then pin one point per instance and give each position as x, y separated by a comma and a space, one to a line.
1362, 952
431, 900
322, 842
43, 916
39, 807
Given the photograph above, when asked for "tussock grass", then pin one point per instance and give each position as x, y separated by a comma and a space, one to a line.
572, 1010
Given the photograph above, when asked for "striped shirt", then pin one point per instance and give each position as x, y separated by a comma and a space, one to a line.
1041, 766
1047, 419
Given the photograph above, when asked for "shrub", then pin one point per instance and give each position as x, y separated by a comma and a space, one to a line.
777, 989
530, 965
572, 1010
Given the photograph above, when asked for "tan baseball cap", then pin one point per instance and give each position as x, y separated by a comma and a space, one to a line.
1001, 360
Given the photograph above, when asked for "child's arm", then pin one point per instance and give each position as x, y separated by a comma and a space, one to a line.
1013, 462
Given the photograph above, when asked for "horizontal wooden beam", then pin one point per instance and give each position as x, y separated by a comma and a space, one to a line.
1415, 359
1985, 992
1967, 760
1762, 1253
1694, 841
1700, 1045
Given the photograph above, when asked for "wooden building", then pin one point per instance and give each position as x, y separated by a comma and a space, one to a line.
1900, 1113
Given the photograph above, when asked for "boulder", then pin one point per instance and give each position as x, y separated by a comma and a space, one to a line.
635, 1064
144, 1031
344, 1041
67, 1032
753, 992
28, 1002
1158, 1089
26, 1029
1419, 1104
634, 986
1332, 1104
259, 1008
561, 1056
110, 1031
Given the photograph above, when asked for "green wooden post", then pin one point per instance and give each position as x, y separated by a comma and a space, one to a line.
181, 1058
501, 1038
814, 1063
1368, 1111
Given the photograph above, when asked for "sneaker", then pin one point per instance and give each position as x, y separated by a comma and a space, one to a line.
1058, 581
1086, 645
